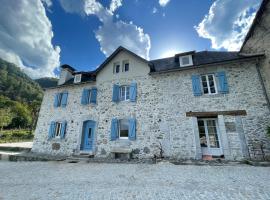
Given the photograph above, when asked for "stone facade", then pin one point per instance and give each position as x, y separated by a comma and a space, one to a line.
160, 112
259, 42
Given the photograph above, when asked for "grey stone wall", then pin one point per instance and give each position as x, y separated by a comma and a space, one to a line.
259, 42
160, 111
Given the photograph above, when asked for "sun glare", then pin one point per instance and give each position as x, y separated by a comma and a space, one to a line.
169, 53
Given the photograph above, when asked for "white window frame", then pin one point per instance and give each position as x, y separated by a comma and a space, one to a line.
77, 78
126, 91
114, 68
208, 85
119, 130
123, 66
58, 128
189, 58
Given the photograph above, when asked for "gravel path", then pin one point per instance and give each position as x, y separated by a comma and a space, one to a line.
17, 144
61, 180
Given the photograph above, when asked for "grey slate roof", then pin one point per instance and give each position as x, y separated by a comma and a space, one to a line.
199, 58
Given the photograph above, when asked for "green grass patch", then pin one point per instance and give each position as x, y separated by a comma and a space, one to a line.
18, 135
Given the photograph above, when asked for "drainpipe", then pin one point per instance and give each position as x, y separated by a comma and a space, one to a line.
262, 83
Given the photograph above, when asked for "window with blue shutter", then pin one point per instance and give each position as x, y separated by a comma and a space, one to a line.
133, 91
223, 87
114, 129
64, 99
63, 129
115, 96
93, 97
51, 130
132, 129
196, 85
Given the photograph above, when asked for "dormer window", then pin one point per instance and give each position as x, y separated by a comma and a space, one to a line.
185, 60
77, 78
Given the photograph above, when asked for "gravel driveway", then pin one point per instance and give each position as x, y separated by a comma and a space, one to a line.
61, 180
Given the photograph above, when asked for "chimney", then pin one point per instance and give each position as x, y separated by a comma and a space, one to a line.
66, 74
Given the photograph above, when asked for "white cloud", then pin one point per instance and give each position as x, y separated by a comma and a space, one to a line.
227, 23
25, 37
115, 4
155, 10
163, 3
113, 33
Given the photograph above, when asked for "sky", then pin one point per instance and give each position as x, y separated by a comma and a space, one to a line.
41, 35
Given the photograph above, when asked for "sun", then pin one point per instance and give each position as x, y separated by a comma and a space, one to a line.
169, 53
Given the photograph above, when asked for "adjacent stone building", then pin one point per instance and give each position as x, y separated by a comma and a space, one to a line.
193, 105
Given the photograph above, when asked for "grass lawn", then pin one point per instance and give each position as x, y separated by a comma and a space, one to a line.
17, 135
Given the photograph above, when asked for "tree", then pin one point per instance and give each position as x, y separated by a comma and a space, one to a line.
5, 117
22, 116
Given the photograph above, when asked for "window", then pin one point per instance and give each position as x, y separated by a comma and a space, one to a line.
116, 68
60, 99
77, 78
209, 84
208, 133
185, 61
124, 93
58, 126
125, 66
123, 128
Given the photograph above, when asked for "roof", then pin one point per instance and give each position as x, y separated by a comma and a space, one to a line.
119, 49
256, 21
65, 66
199, 59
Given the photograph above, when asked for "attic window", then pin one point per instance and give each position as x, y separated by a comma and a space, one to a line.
185, 61
77, 78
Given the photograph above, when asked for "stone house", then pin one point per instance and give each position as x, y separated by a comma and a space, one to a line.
193, 105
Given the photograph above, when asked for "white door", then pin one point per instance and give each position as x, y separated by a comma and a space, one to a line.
209, 137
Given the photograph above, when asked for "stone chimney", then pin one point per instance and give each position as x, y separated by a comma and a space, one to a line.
66, 74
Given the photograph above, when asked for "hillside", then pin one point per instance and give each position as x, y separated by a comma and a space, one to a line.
20, 98
47, 82
16, 85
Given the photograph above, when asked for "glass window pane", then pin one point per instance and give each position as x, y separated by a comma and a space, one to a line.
203, 78
210, 77
124, 128
213, 90
126, 67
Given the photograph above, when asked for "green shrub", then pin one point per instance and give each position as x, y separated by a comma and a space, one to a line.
16, 136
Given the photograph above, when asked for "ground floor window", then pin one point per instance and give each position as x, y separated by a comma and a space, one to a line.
58, 126
208, 133
123, 128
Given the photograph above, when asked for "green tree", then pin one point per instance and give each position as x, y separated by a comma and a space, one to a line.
5, 117
22, 117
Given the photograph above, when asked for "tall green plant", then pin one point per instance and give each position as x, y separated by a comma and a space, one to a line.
5, 117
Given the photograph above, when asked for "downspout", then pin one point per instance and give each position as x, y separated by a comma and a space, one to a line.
262, 83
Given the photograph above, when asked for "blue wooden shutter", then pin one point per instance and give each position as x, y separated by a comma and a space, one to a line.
133, 92
132, 129
51, 130
115, 97
64, 99
223, 84
196, 85
63, 129
85, 96
93, 98
56, 96
114, 129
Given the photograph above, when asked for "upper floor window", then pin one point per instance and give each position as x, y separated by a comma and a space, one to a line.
125, 66
209, 84
89, 96
185, 60
124, 93
116, 68
77, 78
60, 99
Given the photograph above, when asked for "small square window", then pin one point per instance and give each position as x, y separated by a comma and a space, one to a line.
116, 68
77, 78
185, 60
123, 129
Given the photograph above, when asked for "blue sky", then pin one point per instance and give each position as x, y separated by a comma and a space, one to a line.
82, 33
